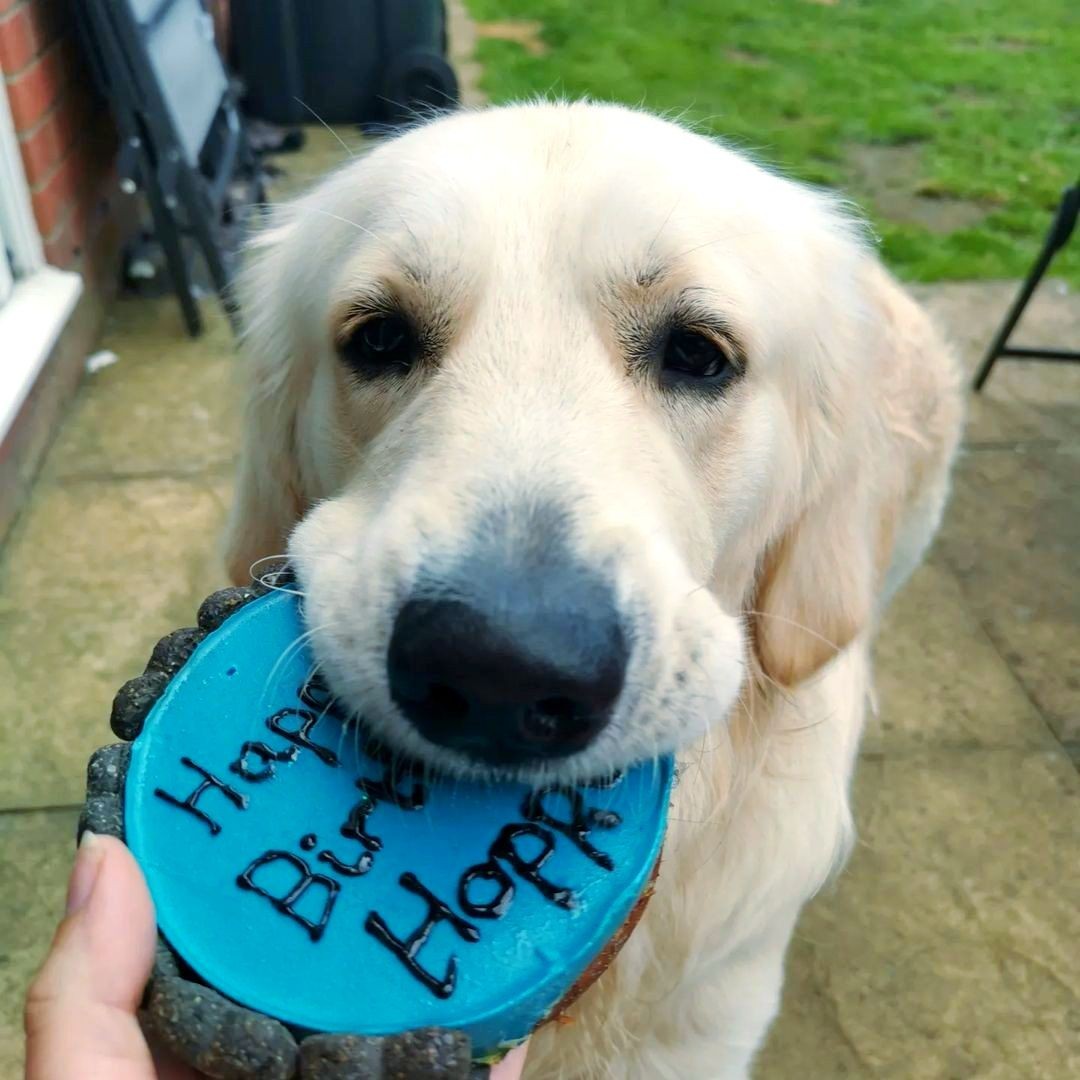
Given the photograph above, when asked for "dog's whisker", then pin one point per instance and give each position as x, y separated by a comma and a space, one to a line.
717, 240
651, 249
340, 140
269, 580
290, 650
798, 625
344, 220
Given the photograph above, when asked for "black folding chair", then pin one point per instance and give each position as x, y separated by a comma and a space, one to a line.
1058, 236
182, 139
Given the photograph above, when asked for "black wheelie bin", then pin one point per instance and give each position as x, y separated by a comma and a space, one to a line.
345, 61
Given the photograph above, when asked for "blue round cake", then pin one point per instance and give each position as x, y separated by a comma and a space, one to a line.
308, 874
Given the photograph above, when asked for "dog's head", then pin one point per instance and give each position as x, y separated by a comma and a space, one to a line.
558, 409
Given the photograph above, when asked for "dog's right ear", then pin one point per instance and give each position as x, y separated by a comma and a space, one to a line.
270, 495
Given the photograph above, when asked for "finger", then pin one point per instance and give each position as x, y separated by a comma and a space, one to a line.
80, 1009
511, 1066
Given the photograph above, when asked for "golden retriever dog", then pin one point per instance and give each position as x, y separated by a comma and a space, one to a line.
592, 440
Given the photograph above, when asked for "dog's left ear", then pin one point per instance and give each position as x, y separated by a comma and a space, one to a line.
892, 426
818, 583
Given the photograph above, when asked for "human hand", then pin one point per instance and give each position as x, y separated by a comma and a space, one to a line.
81, 1007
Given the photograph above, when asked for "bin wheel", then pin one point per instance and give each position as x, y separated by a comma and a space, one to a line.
418, 81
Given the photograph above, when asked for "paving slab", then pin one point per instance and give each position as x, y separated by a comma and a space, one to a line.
947, 949
168, 406
1012, 536
1024, 401
36, 850
939, 677
95, 573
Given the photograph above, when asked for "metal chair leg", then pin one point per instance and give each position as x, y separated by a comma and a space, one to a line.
1060, 231
167, 230
198, 213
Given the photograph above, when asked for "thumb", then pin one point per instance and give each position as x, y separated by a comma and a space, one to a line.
80, 1009
510, 1067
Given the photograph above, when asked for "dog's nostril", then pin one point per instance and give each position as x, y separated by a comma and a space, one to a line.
447, 701
557, 708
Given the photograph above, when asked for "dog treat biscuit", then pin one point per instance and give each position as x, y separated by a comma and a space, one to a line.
334, 910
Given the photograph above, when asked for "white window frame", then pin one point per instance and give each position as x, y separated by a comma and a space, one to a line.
17, 223
38, 299
7, 282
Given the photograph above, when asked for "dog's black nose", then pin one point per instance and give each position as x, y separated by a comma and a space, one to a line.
509, 670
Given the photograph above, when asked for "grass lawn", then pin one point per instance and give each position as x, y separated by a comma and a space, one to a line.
954, 123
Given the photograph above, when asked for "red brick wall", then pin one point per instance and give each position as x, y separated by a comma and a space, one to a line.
65, 134
222, 23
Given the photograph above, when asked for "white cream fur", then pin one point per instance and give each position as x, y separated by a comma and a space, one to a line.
753, 537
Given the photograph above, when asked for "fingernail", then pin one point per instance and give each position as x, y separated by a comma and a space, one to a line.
84, 873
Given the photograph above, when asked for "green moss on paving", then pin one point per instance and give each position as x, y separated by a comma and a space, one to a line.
985, 93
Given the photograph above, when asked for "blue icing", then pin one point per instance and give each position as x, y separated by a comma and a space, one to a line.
257, 888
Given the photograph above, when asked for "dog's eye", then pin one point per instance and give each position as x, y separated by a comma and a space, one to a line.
690, 354
380, 343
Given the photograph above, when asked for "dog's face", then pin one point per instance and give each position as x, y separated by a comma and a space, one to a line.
558, 396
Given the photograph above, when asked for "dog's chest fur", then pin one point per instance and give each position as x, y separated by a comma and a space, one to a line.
695, 988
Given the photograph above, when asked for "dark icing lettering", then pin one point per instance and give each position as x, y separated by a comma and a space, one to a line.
578, 822
301, 736
387, 788
287, 904
242, 767
355, 827
315, 694
380, 752
190, 803
506, 848
363, 864
387, 791
408, 950
495, 908
384, 790
308, 842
